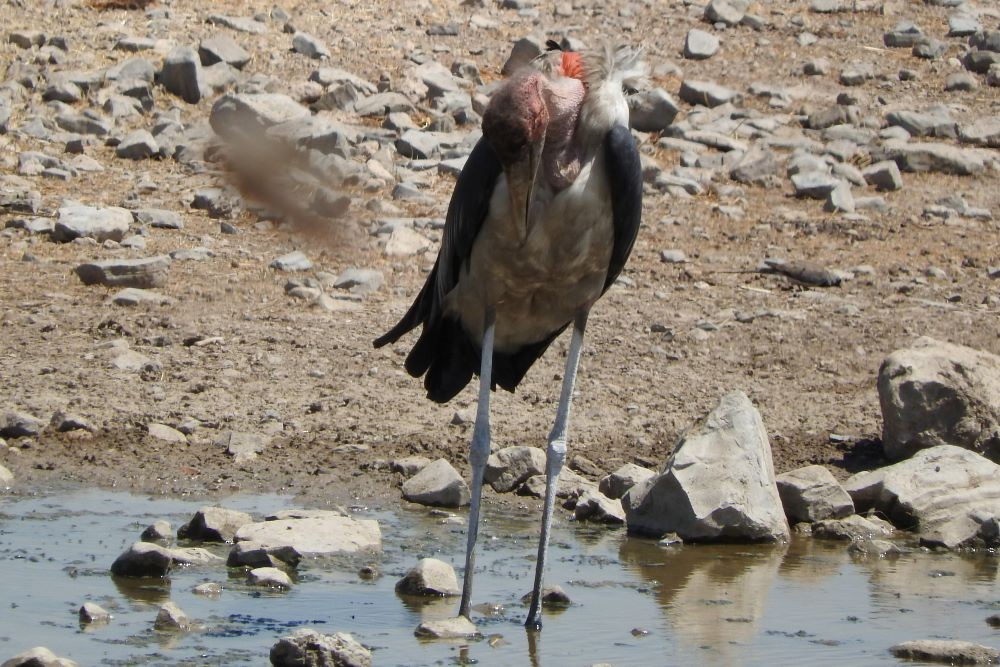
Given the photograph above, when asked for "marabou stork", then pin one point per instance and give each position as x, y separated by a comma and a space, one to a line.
540, 224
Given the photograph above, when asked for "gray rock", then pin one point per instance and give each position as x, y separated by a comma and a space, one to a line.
905, 34
306, 647
992, 78
935, 393
948, 495
652, 110
418, 144
987, 40
707, 93
254, 555
408, 466
700, 45
171, 618
214, 524
91, 613
132, 296
269, 577
934, 157
934, 122
718, 485
437, 484
840, 199
16, 424
729, 12
142, 273
18, 196
673, 256
929, 49
403, 242
508, 468
137, 145
182, 75
960, 82
429, 577
26, 39
159, 218
759, 167
849, 529
158, 531
814, 184
209, 589
242, 446
359, 281
551, 597
307, 45
222, 49
99, 223
327, 534
448, 628
238, 23
617, 483
947, 651
38, 657
963, 25
165, 433
234, 116
64, 422
594, 506
883, 175
292, 261
143, 559
813, 494
980, 62
381, 104
817, 67
982, 132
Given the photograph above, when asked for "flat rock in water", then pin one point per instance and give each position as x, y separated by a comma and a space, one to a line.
214, 524
947, 651
141, 273
936, 393
158, 531
269, 577
91, 613
99, 223
309, 647
448, 628
508, 468
719, 484
948, 495
849, 529
252, 554
812, 494
143, 559
617, 483
38, 657
431, 577
171, 618
438, 484
316, 536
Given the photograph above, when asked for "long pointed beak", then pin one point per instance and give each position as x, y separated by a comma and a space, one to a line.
521, 179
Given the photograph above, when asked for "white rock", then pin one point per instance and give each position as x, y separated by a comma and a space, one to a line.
718, 485
308, 647
316, 536
92, 613
437, 484
429, 576
271, 577
165, 433
508, 468
592, 505
812, 494
936, 393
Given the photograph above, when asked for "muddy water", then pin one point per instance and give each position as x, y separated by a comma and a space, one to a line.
635, 603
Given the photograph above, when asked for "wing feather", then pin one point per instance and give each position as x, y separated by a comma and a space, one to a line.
621, 158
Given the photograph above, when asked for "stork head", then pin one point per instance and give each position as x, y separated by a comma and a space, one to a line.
533, 110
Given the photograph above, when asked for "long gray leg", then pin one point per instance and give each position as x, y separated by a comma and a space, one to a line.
555, 457
478, 453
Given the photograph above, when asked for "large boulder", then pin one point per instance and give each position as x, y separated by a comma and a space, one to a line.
948, 495
936, 393
308, 648
315, 535
813, 494
718, 485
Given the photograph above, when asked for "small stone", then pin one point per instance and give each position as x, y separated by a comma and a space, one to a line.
960, 82
553, 597
137, 145
706, 93
165, 433
222, 49
449, 628
840, 200
214, 524
159, 218
307, 45
728, 12
596, 507
814, 184
429, 577
171, 618
242, 446
142, 273
182, 74
700, 45
883, 175
620, 481
408, 466
306, 647
92, 614
905, 34
253, 555
437, 484
133, 296
508, 468
523, 52
652, 111
99, 223
143, 559
850, 528
158, 531
26, 39
293, 261
270, 577
929, 49
208, 589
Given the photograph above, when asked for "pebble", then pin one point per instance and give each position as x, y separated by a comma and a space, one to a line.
270, 577
183, 76
171, 618
307, 45
292, 261
700, 45
449, 628
91, 613
142, 273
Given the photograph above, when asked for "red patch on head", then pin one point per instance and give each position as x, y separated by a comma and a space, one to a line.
572, 65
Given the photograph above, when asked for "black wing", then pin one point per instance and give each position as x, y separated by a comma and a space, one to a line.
444, 351
621, 158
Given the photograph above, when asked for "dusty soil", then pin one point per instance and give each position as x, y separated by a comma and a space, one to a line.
338, 409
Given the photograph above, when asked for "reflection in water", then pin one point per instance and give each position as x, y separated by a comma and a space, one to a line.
711, 595
150, 591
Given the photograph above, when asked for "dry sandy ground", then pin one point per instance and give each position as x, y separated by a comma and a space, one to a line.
338, 409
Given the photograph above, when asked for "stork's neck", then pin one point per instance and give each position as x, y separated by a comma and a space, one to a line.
561, 155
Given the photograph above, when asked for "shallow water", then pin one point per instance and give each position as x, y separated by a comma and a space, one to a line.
634, 602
